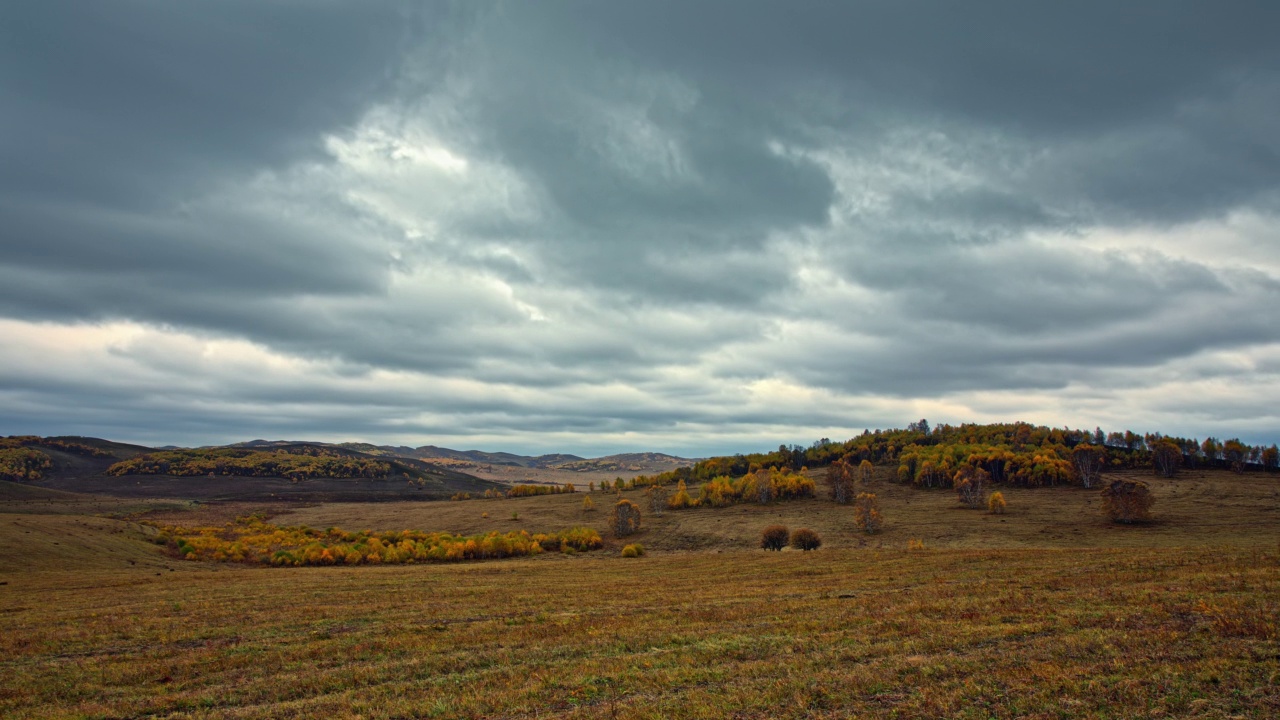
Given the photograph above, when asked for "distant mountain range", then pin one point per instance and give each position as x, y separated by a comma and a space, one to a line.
624, 462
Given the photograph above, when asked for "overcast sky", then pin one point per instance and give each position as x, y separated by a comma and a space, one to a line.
590, 227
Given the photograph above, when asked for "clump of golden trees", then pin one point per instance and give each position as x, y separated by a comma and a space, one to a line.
762, 486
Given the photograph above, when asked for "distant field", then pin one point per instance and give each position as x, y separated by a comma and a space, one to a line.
1194, 509
1045, 612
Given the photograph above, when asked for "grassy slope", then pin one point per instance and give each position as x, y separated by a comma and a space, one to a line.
1187, 627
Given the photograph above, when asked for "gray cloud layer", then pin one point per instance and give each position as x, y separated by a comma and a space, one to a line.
697, 227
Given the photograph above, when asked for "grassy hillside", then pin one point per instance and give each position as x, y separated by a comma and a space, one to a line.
259, 470
1046, 611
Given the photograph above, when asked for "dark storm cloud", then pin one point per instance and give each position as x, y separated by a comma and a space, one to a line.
578, 218
111, 102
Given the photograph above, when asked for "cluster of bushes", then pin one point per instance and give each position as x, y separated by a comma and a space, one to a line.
776, 537
633, 551
298, 464
23, 463
937, 466
252, 540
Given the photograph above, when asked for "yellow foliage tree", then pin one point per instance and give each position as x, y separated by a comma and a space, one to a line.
866, 513
995, 503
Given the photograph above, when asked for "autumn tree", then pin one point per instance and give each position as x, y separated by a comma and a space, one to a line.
774, 537
1087, 461
1210, 449
1165, 458
763, 485
866, 513
587, 504
1271, 458
626, 518
970, 483
840, 481
996, 503
1126, 501
865, 472
681, 498
1235, 453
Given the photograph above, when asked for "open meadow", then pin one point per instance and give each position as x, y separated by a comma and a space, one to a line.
1046, 611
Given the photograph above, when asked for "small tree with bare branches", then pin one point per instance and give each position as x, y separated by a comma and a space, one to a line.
626, 518
1165, 458
1088, 461
970, 482
866, 513
840, 481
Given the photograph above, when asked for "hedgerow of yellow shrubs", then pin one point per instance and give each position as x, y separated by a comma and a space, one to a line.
254, 541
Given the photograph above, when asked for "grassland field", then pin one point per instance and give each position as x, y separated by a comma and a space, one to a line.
1048, 611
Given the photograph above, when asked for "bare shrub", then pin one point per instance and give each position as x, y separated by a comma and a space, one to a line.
805, 539
774, 537
1126, 501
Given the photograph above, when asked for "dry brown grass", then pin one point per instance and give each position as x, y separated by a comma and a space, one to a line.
1054, 613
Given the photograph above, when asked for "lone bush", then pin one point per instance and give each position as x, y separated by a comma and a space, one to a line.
995, 503
805, 539
626, 518
587, 505
680, 499
633, 550
1127, 501
774, 537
